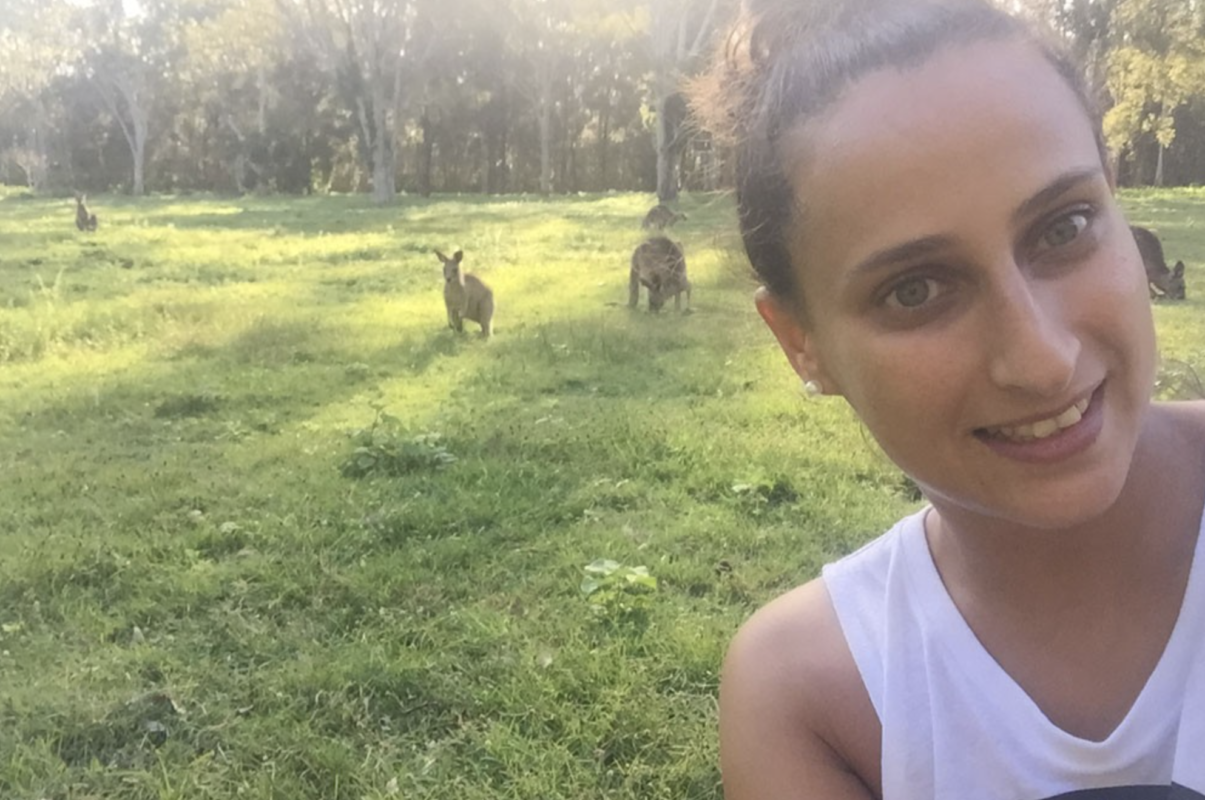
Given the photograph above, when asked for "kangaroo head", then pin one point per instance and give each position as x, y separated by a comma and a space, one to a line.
656, 298
1170, 283
1175, 284
451, 266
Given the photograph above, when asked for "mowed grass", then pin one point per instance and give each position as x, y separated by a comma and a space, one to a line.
207, 592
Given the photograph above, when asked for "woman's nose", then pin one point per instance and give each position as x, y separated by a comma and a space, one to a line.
1033, 346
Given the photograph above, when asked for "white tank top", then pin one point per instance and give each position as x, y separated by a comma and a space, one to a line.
957, 727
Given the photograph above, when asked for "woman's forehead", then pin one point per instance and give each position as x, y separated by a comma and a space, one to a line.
956, 83
905, 152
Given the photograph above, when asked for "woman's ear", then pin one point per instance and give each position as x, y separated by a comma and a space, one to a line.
793, 337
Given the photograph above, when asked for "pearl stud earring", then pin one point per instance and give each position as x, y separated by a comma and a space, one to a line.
812, 388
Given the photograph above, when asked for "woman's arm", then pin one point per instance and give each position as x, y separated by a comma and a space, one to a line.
796, 722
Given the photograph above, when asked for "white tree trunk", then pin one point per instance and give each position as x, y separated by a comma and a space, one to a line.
37, 152
139, 152
261, 81
117, 89
546, 138
384, 187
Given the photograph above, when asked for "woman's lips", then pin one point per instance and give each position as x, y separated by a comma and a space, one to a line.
1051, 439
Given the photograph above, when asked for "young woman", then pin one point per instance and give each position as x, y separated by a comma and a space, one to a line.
925, 195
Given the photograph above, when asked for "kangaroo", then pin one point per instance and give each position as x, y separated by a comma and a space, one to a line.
659, 265
465, 296
661, 217
83, 220
1164, 282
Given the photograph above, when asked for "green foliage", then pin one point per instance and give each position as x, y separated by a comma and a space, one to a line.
1156, 68
386, 448
619, 594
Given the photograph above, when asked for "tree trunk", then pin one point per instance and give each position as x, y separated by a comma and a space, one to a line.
604, 140
239, 169
669, 141
1159, 165
36, 169
674, 49
139, 151
378, 149
384, 186
426, 156
712, 164
487, 166
495, 123
571, 165
545, 102
111, 87
667, 166
502, 167
261, 77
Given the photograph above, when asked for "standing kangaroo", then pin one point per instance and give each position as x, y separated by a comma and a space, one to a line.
466, 296
661, 217
83, 220
659, 265
1164, 282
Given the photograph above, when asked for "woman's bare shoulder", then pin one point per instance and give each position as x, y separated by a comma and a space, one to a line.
798, 632
795, 718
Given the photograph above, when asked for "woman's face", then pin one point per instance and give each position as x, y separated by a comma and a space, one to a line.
971, 286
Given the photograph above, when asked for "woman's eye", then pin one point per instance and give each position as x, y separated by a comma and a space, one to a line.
1065, 230
912, 292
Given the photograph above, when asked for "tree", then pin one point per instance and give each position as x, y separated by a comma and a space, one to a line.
679, 30
33, 46
125, 55
1084, 25
368, 47
231, 57
1156, 67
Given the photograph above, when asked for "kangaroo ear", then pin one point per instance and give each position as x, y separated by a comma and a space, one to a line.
440, 255
457, 256
1178, 270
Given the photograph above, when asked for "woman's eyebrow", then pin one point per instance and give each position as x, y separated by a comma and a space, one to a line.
1059, 186
929, 245
907, 251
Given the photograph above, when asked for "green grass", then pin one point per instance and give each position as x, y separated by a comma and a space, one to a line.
206, 592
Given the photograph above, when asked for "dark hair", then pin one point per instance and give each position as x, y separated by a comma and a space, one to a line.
786, 61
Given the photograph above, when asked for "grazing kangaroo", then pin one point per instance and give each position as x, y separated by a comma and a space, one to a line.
83, 220
466, 296
659, 265
1164, 282
661, 217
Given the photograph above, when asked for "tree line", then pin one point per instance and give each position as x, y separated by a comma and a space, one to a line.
494, 96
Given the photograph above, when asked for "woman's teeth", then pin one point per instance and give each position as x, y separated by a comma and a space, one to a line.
1042, 428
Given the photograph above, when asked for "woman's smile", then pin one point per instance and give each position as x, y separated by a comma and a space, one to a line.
1049, 439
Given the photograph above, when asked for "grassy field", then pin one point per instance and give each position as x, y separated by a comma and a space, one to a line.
268, 529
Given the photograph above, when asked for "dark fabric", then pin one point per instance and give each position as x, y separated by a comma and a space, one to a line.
1174, 792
